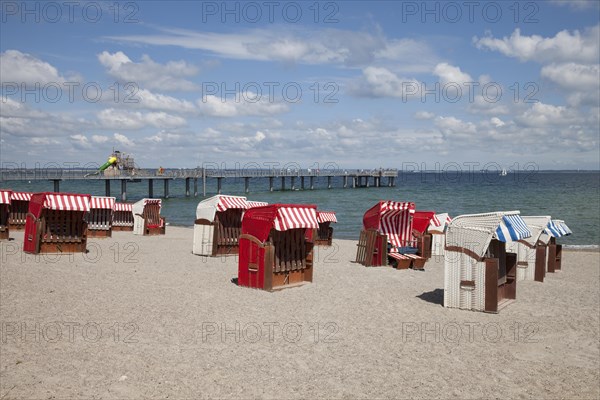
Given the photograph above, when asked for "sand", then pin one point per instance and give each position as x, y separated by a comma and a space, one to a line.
142, 317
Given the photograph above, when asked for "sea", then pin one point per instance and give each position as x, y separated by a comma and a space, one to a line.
571, 196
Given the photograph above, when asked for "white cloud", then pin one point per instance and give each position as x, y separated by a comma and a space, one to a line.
542, 115
581, 82
497, 122
122, 119
424, 115
20, 68
451, 74
564, 46
148, 73
246, 104
314, 46
124, 140
381, 82
80, 141
100, 139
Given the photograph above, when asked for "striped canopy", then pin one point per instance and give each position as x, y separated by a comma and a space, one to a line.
21, 196
252, 204
557, 228
326, 216
102, 202
5, 196
394, 219
124, 207
67, 202
439, 222
289, 217
512, 228
227, 202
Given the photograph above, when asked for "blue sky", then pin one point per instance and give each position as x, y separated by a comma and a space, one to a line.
357, 84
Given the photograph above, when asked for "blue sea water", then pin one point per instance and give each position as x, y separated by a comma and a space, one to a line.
571, 196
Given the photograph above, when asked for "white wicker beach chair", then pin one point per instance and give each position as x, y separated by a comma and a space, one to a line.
479, 275
529, 249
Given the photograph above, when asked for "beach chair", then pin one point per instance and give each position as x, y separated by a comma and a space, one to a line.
218, 225
421, 221
437, 229
147, 219
323, 235
100, 216
56, 223
123, 217
19, 206
531, 252
5, 199
393, 222
479, 274
556, 228
274, 250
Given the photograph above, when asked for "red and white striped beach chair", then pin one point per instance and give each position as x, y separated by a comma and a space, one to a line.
393, 223
19, 205
5, 199
147, 219
274, 251
218, 225
323, 235
421, 221
100, 216
56, 223
123, 217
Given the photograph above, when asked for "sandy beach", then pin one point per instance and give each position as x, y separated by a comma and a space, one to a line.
142, 317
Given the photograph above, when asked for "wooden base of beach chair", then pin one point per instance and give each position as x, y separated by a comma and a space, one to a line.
500, 291
323, 236
554, 257
64, 247
540, 263
154, 231
99, 233
418, 262
123, 228
4, 234
400, 261
372, 249
424, 246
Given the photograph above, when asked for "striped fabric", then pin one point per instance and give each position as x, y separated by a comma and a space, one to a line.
68, 202
564, 228
124, 207
152, 201
5, 196
396, 223
557, 228
21, 196
252, 204
227, 202
295, 217
326, 216
439, 222
102, 202
512, 228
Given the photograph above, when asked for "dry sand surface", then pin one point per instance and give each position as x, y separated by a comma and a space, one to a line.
142, 317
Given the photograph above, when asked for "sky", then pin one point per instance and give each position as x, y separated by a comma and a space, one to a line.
355, 84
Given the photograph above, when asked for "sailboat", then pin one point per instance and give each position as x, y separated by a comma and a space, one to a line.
504, 172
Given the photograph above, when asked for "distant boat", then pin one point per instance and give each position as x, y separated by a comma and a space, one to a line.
504, 172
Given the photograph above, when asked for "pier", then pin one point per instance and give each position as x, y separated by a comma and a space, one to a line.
288, 179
